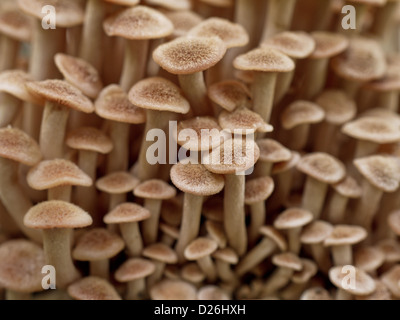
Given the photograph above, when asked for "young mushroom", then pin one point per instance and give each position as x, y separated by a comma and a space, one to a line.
93, 288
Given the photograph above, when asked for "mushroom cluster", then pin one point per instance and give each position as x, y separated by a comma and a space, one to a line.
199, 149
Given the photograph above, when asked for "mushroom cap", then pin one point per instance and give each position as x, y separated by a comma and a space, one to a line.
264, 59
211, 292
243, 119
381, 292
13, 82
171, 272
113, 104
56, 214
173, 5
117, 182
274, 235
183, 21
127, 3
89, 139
127, 212
196, 179
370, 2
49, 174
92, 288
293, 218
338, 106
97, 244
295, 44
373, 129
283, 166
389, 82
16, 145
348, 187
173, 290
391, 279
69, 13
154, 189
232, 34
328, 44
363, 285
189, 55
138, 23
382, 113
191, 272
233, 156
342, 235
391, 250
80, 74
169, 230
158, 94
215, 231
309, 270
21, 262
394, 222
134, 269
363, 61
15, 25
287, 260
272, 151
229, 94
322, 167
200, 248
301, 112
315, 293
258, 189
383, 172
316, 232
160, 252
368, 259
227, 255
62, 93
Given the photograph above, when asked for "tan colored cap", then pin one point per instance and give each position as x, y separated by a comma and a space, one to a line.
227, 255
316, 293
287, 260
13, 82
348, 187
15, 25
134, 269
117, 182
342, 235
363, 285
93, 288
173, 5
391, 279
272, 151
154, 189
183, 21
368, 259
258, 189
301, 112
309, 270
243, 120
282, 166
169, 230
216, 232
394, 222
160, 252
381, 292
191, 272
56, 214
381, 113
338, 106
127, 212
229, 94
389, 82
293, 218
274, 235
89, 139
199, 248
328, 44
316, 232
211, 292
173, 290
391, 249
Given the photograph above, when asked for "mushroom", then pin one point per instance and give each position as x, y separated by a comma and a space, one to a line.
368, 259
215, 231
172, 5
169, 234
57, 219
173, 290
211, 292
92, 288
391, 279
381, 292
98, 246
183, 22
224, 259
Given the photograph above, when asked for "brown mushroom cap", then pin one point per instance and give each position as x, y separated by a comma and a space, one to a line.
316, 293
16, 145
389, 82
199, 248
93, 288
183, 21
117, 182
259, 189
348, 187
191, 272
16, 25
275, 236
227, 255
138, 23
154, 189
229, 94
309, 270
301, 112
13, 82
113, 104
391, 250
134, 269
211, 292
295, 44
97, 244
364, 284
48, 174
196, 179
338, 106
328, 44
272, 151
391, 279
394, 222
173, 290
381, 292
127, 212
56, 214
243, 119
21, 262
173, 5
293, 218
368, 259
80, 74
60, 92
170, 230
345, 235
316, 232
383, 172
282, 166
287, 260
158, 94
265, 60
322, 167
90, 139
160, 252
232, 34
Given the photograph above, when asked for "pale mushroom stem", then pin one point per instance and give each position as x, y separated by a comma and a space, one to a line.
323, 15
14, 295
194, 89
52, 130
294, 243
57, 250
263, 168
100, 268
314, 196
389, 100
337, 208
157, 274
343, 295
116, 199
283, 188
321, 256
350, 87
257, 219
324, 137
364, 148
224, 271
207, 266
8, 52
150, 226
315, 77
245, 11
62, 193
342, 255
118, 158
131, 234
190, 224
293, 291
134, 63
9, 108
263, 93
279, 278
153, 68
299, 137
136, 289
283, 83
74, 36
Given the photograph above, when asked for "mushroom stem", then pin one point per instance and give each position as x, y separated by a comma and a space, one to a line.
283, 83
263, 168
194, 89
119, 156
207, 266
136, 289
157, 274
389, 100
351, 88
62, 193
324, 137
343, 295
337, 208
15, 295
321, 256
315, 78
342, 255
85, 197
224, 271
314, 196
283, 187
100, 268
245, 11
131, 234
294, 243
263, 93
8, 53
116, 199
323, 15
279, 278
190, 224
257, 214
299, 136
9, 107
293, 291
364, 148
57, 250
150, 226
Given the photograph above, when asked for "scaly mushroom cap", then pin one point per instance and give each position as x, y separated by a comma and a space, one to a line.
127, 212
389, 82
138, 23
383, 172
154, 189
93, 288
283, 166
394, 222
49, 174
368, 259
295, 44
211, 292
199, 248
258, 189
275, 236
97, 244
391, 279
16, 145
309, 270
363, 285
229, 94
56, 214
173, 5
293, 218
117, 182
348, 187
173, 290
272, 151
80, 74
243, 120
345, 235
160, 252
62, 93
322, 167
227, 255
196, 179
287, 260
158, 94
328, 44
21, 263
16, 25
338, 106
316, 232
189, 55
316, 293
215, 231
183, 21
113, 104
191, 272
89, 139
134, 269
301, 112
